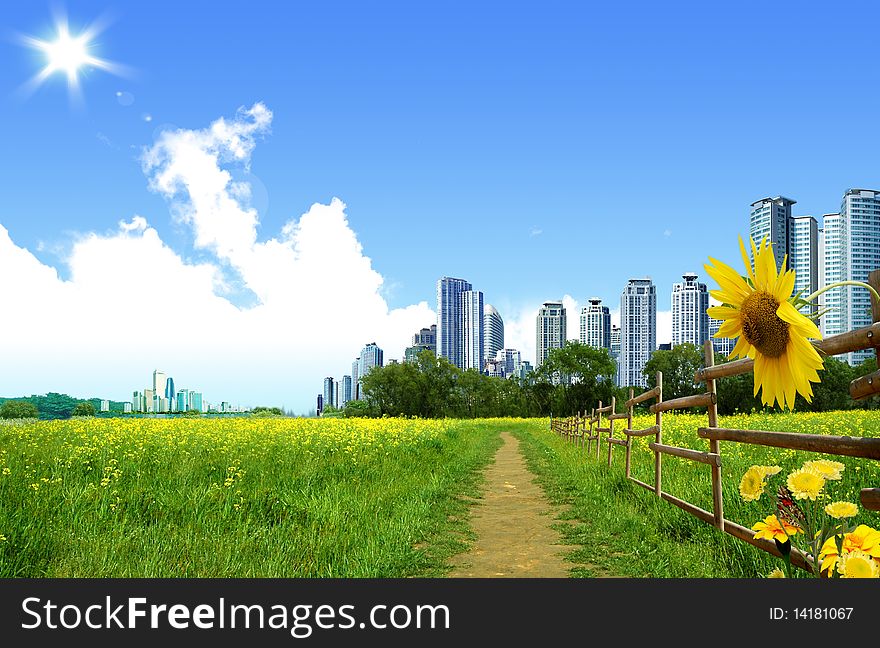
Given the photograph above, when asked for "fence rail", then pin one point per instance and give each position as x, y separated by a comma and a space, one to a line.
584, 430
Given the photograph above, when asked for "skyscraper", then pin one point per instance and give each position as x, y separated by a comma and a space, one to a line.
450, 319
511, 359
148, 400
550, 330
346, 390
474, 342
595, 325
690, 323
320, 409
427, 337
182, 400
371, 356
852, 251
159, 383
770, 219
329, 388
493, 335
137, 402
194, 402
169, 393
638, 330
803, 256
355, 379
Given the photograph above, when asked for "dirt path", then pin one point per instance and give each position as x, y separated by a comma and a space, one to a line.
512, 523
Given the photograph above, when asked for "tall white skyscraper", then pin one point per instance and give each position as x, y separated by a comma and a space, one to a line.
355, 381
472, 326
690, 323
329, 392
345, 395
493, 335
371, 356
803, 256
770, 219
852, 251
615, 342
638, 330
595, 325
450, 319
550, 330
160, 381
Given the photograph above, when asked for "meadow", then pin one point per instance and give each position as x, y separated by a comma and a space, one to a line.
282, 497
237, 497
621, 529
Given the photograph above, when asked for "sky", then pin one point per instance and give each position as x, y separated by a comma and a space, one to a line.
243, 195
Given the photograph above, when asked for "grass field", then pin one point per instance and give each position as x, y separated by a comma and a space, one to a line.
621, 529
251, 497
237, 497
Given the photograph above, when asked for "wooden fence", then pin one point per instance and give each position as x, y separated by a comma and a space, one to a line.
584, 431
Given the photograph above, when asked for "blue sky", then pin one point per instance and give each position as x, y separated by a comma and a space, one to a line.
535, 149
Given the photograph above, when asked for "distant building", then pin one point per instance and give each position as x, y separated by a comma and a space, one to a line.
320, 408
427, 337
615, 342
595, 325
770, 219
346, 390
126, 408
550, 330
105, 406
159, 383
181, 400
495, 369
329, 389
411, 353
474, 341
169, 392
665, 347
803, 256
852, 251
355, 379
450, 319
638, 331
149, 401
195, 403
493, 327
690, 322
137, 402
511, 359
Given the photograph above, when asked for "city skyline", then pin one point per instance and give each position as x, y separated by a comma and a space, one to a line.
275, 219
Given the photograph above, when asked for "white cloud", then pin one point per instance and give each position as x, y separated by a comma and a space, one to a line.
132, 304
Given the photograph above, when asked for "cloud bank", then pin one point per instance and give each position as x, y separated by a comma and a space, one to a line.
132, 304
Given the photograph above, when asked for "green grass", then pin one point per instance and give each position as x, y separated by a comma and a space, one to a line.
265, 498
617, 528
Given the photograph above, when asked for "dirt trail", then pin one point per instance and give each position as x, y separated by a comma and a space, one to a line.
512, 523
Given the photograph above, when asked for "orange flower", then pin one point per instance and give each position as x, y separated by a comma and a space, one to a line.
864, 538
772, 529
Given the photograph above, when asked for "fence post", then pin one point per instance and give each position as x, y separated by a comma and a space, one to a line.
611, 429
658, 421
714, 444
874, 282
598, 433
629, 426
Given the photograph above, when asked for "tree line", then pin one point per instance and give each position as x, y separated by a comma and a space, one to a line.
573, 379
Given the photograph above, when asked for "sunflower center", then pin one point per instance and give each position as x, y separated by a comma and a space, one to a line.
762, 327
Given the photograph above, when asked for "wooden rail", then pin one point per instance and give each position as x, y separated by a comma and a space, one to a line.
697, 400
710, 458
848, 446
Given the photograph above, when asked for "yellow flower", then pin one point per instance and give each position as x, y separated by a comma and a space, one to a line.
863, 538
770, 330
774, 529
776, 573
840, 510
751, 486
805, 484
858, 564
830, 470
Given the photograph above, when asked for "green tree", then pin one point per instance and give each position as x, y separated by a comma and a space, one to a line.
678, 367
16, 409
582, 376
358, 409
84, 409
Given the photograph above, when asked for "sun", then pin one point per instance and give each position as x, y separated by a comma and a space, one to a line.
68, 54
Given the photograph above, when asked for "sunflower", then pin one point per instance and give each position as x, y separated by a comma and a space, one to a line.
771, 331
